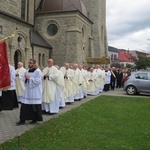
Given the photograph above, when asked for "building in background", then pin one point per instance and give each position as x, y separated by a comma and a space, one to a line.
113, 55
65, 30
124, 57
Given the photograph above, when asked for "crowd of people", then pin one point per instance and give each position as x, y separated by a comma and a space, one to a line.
46, 91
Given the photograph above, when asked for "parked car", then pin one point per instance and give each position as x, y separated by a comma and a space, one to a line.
137, 82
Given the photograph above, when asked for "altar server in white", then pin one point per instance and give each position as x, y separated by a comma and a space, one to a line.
32, 98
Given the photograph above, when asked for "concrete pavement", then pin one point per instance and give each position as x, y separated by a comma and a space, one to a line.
8, 119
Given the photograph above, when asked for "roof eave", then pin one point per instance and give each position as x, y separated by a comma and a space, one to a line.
33, 44
56, 12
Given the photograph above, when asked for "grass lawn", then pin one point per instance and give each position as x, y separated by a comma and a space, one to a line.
105, 123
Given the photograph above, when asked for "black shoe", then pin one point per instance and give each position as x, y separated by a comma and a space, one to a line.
68, 103
52, 113
77, 99
44, 112
61, 107
20, 123
33, 122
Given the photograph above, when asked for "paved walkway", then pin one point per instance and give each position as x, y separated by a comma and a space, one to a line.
8, 119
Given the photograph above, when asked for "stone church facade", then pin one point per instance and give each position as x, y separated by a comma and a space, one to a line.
65, 30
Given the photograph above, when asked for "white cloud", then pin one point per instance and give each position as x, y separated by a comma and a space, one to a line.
128, 23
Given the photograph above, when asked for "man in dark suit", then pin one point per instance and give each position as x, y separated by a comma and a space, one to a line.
113, 78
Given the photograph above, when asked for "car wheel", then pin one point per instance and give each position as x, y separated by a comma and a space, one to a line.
131, 90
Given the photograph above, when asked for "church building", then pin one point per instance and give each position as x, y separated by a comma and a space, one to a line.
64, 30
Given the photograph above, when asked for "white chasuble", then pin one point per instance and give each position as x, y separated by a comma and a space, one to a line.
91, 87
50, 84
20, 87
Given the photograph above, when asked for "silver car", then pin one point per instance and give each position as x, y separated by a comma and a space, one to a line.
137, 82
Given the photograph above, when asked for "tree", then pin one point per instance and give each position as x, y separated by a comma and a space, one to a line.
117, 65
129, 65
143, 62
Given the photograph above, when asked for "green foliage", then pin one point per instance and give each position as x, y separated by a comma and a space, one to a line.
129, 65
117, 65
143, 62
105, 123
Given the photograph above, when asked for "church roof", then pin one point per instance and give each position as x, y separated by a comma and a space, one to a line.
37, 39
62, 5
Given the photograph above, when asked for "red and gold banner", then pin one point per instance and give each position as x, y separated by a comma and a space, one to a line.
5, 80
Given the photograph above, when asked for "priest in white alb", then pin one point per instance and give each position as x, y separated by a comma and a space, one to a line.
99, 80
92, 88
85, 80
50, 89
60, 87
68, 78
20, 86
78, 81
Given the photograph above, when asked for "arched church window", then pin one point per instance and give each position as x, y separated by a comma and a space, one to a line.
43, 60
17, 57
102, 32
39, 60
1, 29
82, 33
52, 29
23, 9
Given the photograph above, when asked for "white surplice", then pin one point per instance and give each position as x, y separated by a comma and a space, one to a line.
107, 77
33, 88
12, 77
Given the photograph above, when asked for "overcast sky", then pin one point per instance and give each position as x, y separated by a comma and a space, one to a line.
128, 24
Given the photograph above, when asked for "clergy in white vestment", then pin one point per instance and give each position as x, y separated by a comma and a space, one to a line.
32, 98
85, 80
50, 88
99, 80
103, 77
20, 86
61, 85
107, 79
91, 88
78, 81
9, 97
63, 68
68, 78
